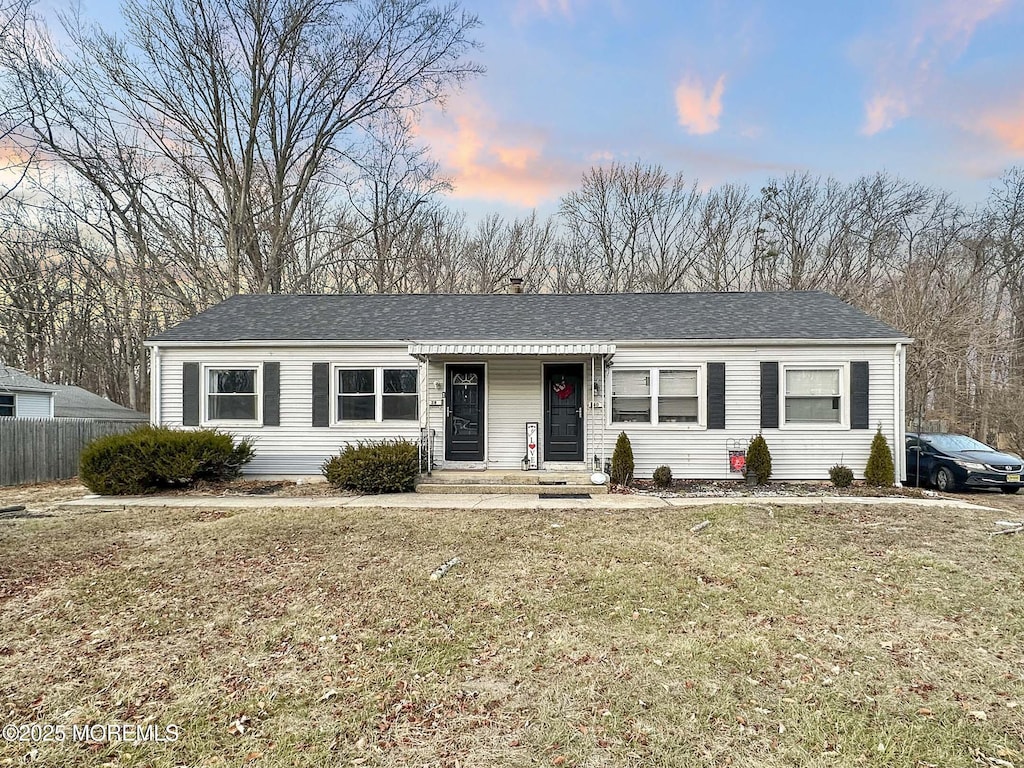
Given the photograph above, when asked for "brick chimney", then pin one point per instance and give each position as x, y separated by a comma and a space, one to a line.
515, 285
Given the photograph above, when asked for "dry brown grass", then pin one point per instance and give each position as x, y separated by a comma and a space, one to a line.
778, 636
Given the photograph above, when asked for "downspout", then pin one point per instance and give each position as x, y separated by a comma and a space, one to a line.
425, 399
592, 409
154, 387
899, 395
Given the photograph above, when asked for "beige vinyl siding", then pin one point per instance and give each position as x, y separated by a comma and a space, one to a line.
514, 396
295, 447
798, 453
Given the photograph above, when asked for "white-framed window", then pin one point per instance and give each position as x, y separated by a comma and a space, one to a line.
631, 397
357, 395
377, 394
232, 393
678, 401
400, 398
813, 394
656, 396
7, 405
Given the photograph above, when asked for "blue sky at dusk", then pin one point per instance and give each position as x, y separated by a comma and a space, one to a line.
931, 90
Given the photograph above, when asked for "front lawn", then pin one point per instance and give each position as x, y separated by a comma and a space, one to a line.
777, 636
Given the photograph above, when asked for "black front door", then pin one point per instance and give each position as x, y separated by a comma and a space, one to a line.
464, 413
563, 412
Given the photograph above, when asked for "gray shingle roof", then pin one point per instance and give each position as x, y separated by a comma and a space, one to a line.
530, 317
76, 403
14, 380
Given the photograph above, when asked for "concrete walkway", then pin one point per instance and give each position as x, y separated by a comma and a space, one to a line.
613, 501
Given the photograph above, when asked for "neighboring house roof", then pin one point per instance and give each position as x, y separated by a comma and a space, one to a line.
77, 403
14, 380
531, 316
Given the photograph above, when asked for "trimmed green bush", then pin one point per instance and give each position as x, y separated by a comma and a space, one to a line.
151, 459
387, 466
663, 476
622, 461
880, 471
841, 476
759, 460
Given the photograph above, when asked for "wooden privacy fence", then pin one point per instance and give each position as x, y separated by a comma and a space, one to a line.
36, 450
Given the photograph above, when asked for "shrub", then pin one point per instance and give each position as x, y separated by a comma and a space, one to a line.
759, 460
150, 459
841, 476
622, 461
880, 471
387, 466
663, 476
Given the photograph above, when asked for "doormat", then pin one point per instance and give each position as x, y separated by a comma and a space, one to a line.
563, 495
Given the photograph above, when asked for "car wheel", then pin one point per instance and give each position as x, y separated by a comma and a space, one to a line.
944, 480
1009, 488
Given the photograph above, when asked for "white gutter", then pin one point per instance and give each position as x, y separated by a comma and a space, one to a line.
332, 343
762, 342
319, 343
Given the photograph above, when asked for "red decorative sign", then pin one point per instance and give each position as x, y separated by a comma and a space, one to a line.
737, 461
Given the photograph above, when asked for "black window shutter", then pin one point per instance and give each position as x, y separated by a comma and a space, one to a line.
321, 394
859, 379
190, 395
716, 395
769, 395
272, 394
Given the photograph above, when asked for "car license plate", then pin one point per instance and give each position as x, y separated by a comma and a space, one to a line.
1013, 478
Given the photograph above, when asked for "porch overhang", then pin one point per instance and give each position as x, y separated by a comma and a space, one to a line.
493, 349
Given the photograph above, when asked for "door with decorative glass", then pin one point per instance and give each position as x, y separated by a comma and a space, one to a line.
464, 413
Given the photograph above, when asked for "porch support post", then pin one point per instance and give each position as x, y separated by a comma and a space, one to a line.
604, 409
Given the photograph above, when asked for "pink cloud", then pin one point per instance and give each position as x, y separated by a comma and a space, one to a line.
489, 159
908, 62
882, 111
697, 108
1005, 125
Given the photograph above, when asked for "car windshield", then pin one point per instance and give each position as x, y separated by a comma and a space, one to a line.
956, 443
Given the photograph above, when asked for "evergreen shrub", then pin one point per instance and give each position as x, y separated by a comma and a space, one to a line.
759, 460
841, 476
385, 466
663, 476
151, 459
622, 461
880, 471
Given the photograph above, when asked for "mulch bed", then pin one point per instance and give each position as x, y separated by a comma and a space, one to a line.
735, 488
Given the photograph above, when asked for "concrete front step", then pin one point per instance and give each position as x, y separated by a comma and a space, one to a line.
504, 477
562, 483
569, 489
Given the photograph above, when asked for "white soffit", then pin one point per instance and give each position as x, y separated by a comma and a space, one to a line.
421, 350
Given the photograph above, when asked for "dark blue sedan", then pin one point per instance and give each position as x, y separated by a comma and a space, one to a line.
950, 462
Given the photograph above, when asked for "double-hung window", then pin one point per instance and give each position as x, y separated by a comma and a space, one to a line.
399, 399
631, 397
656, 396
377, 394
357, 395
7, 405
677, 396
813, 395
231, 394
